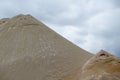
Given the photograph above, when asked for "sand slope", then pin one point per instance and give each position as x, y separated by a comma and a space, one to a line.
29, 50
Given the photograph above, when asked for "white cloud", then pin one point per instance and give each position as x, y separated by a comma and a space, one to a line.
103, 32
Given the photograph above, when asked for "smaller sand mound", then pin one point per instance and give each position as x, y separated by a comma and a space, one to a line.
103, 66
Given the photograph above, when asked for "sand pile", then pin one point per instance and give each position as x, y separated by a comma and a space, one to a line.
103, 66
29, 50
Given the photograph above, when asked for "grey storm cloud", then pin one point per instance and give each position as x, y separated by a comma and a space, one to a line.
91, 24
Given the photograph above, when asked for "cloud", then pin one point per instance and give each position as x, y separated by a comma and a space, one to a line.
104, 28
103, 32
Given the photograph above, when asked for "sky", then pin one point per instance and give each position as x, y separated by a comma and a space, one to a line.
91, 24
